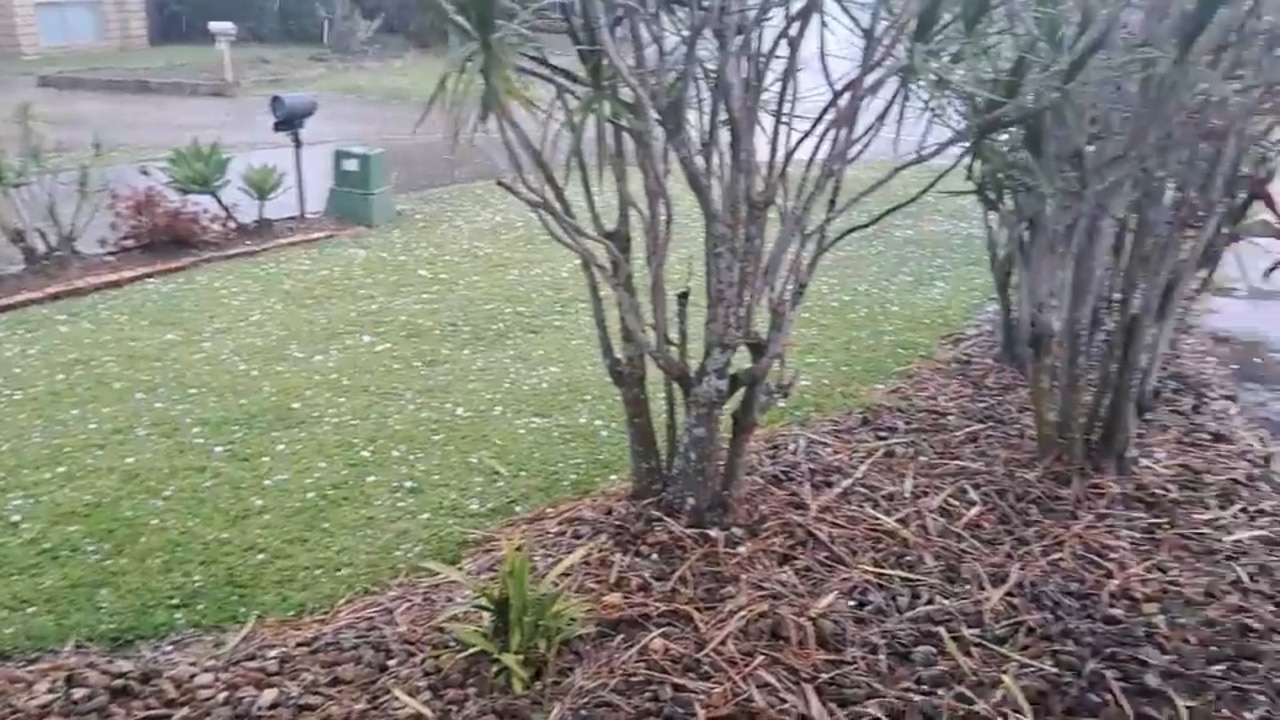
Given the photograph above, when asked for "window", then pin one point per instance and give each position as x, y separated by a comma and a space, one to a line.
67, 23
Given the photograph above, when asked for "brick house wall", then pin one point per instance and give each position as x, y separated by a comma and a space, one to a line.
120, 25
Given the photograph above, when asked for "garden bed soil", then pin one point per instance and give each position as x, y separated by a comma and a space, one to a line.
85, 273
912, 560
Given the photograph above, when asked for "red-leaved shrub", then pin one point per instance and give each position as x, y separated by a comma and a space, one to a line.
147, 218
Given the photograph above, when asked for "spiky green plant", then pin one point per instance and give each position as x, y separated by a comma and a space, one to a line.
523, 621
485, 73
200, 170
262, 184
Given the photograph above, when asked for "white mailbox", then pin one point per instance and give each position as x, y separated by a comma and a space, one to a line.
224, 33
222, 30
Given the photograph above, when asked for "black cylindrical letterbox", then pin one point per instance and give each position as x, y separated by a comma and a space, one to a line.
293, 107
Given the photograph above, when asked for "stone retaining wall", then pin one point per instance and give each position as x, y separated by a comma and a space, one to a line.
137, 86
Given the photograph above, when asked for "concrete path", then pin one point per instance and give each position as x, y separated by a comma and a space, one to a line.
151, 122
1243, 313
71, 119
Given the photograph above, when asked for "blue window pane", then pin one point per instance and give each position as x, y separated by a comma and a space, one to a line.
62, 23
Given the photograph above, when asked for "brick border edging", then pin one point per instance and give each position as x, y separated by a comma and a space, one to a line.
107, 281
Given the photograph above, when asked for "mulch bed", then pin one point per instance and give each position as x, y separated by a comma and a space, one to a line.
909, 561
78, 275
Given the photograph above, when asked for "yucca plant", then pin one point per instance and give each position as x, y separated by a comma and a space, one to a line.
523, 621
200, 170
262, 184
487, 38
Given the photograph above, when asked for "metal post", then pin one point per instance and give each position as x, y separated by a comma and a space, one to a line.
297, 171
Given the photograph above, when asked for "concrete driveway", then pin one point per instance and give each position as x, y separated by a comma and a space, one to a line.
129, 123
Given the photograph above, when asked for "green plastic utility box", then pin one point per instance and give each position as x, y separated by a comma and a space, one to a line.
361, 191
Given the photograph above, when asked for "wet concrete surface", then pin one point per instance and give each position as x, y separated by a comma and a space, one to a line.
1242, 314
414, 164
72, 120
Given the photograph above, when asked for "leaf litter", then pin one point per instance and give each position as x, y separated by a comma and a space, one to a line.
910, 560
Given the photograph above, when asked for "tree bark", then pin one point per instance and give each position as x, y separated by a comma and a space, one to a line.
1113, 443
646, 460
746, 419
30, 255
697, 490
1000, 261
1081, 299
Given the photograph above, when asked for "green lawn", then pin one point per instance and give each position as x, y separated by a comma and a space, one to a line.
266, 436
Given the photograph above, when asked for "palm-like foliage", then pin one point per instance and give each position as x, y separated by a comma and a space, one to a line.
201, 170
487, 43
262, 184
197, 169
524, 620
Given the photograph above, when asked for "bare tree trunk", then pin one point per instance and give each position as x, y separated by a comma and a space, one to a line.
1183, 272
1170, 301
1036, 317
699, 491
682, 353
31, 256
1012, 344
1000, 239
1042, 404
1115, 348
1113, 444
746, 419
1080, 301
627, 370
1106, 305
1022, 262
646, 459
